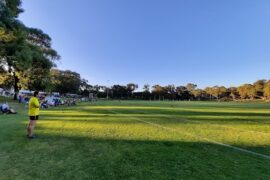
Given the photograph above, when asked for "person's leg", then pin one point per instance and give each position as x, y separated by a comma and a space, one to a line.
12, 111
29, 128
32, 124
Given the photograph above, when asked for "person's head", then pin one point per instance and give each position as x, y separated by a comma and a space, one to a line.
35, 93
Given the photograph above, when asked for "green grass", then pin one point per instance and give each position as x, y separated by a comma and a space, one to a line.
139, 140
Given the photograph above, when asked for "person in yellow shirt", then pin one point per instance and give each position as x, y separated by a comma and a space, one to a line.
33, 112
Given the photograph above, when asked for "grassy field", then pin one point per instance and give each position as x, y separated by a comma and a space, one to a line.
139, 140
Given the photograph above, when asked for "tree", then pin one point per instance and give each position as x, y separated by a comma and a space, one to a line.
158, 90
100, 91
182, 93
259, 88
14, 52
5, 80
170, 91
85, 88
131, 87
65, 81
233, 93
246, 91
218, 91
146, 88
198, 93
146, 92
209, 91
266, 90
191, 87
119, 91
24, 51
43, 57
251, 92
12, 6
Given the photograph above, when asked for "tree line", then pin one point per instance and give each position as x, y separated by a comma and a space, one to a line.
259, 90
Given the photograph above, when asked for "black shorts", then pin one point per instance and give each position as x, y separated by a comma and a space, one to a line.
33, 118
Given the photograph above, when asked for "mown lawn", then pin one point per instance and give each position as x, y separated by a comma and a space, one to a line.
139, 140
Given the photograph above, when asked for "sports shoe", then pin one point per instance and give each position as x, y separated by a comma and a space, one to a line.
31, 137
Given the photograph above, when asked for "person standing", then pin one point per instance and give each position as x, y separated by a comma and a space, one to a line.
33, 112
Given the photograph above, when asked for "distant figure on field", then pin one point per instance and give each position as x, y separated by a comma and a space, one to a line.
33, 113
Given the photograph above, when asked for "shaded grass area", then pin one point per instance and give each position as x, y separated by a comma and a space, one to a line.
109, 140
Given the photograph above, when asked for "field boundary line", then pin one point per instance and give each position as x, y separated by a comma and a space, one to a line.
202, 138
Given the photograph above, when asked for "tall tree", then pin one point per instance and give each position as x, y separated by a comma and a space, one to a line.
27, 50
14, 53
182, 93
146, 88
146, 92
233, 93
259, 88
218, 91
267, 90
66, 81
170, 90
198, 93
119, 91
191, 87
131, 87
209, 91
158, 90
247, 91
85, 88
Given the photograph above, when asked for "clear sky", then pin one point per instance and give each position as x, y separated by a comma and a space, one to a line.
207, 42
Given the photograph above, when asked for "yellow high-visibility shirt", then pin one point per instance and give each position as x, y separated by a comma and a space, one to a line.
33, 107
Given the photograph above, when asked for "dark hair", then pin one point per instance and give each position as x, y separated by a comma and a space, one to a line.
35, 93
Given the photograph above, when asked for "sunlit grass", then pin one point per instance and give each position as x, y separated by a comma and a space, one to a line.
243, 131
139, 140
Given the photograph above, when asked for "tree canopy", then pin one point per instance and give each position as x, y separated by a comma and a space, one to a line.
25, 53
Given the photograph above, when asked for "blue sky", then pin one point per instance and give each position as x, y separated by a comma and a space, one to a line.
207, 42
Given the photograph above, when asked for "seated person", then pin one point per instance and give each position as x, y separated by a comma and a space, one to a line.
6, 109
44, 104
26, 99
73, 102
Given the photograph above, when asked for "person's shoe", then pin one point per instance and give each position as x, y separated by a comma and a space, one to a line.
31, 137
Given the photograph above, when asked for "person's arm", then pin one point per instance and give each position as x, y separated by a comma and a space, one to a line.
36, 103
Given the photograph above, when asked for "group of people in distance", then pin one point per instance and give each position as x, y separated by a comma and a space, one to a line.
48, 101
23, 98
34, 104
33, 112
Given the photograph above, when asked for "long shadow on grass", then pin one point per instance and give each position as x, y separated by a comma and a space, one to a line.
180, 104
119, 119
164, 112
135, 159
219, 117
172, 112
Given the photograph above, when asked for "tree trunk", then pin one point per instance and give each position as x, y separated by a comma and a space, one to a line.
15, 86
